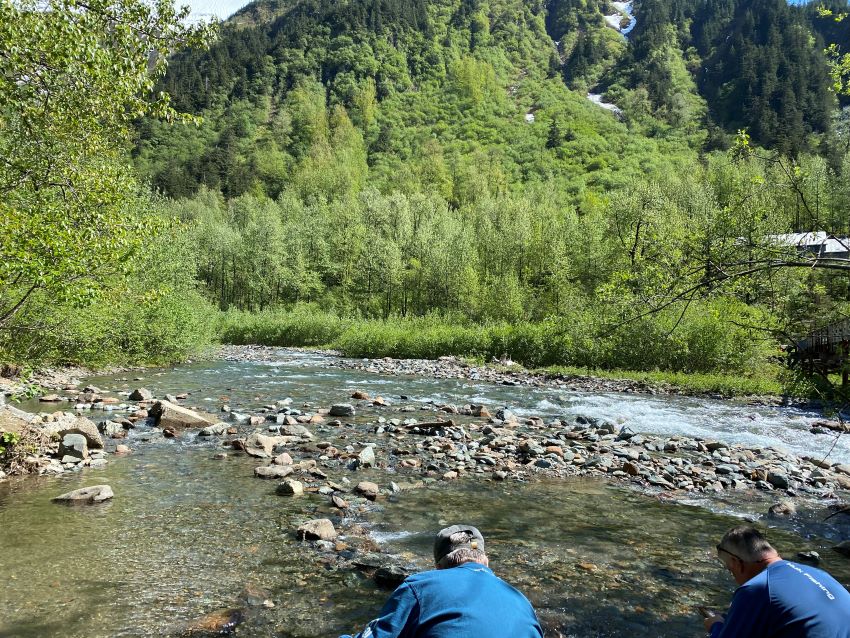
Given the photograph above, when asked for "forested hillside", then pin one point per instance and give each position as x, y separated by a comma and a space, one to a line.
450, 84
426, 96
759, 65
410, 157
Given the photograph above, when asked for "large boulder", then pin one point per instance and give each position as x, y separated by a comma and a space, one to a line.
170, 415
86, 495
71, 424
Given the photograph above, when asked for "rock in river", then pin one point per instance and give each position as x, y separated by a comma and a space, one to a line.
367, 456
218, 623
86, 495
290, 487
368, 489
342, 409
169, 415
273, 471
70, 424
260, 445
141, 394
214, 430
783, 508
317, 529
74, 445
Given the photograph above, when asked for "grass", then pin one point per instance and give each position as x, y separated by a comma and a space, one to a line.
547, 348
727, 385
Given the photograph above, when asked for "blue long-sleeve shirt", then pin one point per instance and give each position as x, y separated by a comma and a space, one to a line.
788, 600
468, 601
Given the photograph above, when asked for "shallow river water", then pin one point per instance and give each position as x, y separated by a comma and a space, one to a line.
185, 533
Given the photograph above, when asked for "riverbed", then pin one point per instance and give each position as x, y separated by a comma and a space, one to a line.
186, 532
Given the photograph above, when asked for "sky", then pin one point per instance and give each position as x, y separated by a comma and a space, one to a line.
225, 8
219, 8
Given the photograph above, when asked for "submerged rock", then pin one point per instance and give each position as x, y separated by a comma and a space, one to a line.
86, 495
218, 623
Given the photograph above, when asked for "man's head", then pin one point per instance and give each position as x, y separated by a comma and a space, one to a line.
745, 553
457, 545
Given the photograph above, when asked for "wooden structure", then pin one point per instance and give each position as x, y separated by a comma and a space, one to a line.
826, 349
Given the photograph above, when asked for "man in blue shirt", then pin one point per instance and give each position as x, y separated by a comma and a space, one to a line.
777, 598
461, 598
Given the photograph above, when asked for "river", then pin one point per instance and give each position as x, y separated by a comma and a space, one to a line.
186, 533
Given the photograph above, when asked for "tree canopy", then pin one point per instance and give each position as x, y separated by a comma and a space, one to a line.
74, 75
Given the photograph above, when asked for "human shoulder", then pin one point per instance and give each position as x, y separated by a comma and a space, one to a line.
442, 575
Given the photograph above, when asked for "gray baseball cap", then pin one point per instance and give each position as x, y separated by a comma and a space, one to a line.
443, 544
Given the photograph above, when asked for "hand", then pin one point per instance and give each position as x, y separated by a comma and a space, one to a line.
712, 620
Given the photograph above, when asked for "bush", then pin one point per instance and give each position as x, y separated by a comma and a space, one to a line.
304, 325
703, 340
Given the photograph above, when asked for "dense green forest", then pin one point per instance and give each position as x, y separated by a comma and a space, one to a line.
415, 177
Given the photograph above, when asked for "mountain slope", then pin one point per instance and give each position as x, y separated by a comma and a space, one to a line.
759, 65
429, 95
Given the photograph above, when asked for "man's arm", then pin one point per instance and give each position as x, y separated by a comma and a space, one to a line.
397, 619
749, 615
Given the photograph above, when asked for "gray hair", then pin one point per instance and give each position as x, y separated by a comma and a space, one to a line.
747, 544
463, 554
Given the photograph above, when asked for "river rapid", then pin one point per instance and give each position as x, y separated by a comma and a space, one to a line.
187, 533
